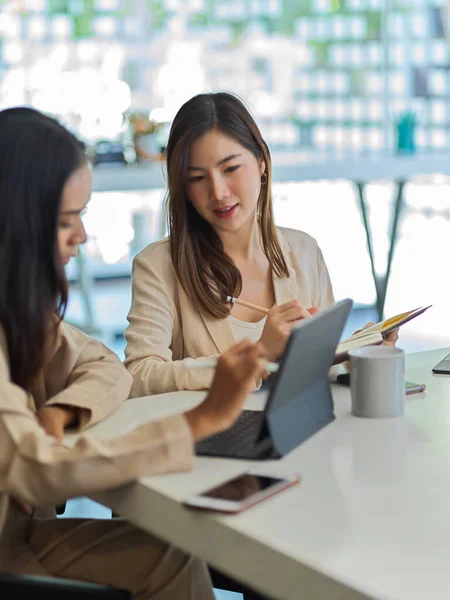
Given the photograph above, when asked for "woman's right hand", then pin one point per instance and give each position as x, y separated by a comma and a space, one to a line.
235, 376
278, 326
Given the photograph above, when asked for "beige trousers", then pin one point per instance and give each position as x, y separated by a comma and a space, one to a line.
116, 553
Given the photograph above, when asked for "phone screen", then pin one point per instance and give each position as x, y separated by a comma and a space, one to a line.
242, 487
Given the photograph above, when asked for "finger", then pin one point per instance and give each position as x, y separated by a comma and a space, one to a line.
57, 432
54, 429
313, 310
44, 423
253, 355
392, 336
366, 326
246, 351
243, 351
253, 362
261, 349
288, 306
295, 314
260, 369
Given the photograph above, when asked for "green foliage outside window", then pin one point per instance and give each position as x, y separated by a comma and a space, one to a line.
200, 19
374, 25
58, 6
158, 14
82, 26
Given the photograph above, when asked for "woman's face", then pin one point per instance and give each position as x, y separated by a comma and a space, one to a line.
76, 194
223, 181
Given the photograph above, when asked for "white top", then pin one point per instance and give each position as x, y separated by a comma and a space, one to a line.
244, 329
370, 518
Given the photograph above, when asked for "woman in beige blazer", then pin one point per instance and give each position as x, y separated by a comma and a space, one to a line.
53, 376
222, 242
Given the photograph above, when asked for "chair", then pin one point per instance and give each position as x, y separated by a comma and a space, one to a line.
28, 587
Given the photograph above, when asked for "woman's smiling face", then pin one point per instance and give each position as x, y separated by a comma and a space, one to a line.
223, 181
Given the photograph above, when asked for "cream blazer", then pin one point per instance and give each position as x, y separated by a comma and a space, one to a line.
165, 328
82, 373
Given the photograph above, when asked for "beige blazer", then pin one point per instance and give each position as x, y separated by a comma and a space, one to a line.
165, 328
81, 372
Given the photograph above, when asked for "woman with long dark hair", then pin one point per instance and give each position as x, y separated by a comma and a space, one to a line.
53, 376
222, 243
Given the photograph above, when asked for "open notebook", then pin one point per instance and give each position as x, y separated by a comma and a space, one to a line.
375, 334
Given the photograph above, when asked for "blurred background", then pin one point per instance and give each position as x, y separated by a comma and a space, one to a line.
346, 92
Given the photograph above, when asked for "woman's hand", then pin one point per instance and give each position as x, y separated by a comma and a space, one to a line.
389, 339
278, 326
235, 376
55, 418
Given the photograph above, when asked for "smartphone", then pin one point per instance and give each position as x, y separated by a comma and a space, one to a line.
410, 387
241, 492
443, 367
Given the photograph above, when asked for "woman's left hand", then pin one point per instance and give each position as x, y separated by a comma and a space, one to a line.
55, 418
389, 339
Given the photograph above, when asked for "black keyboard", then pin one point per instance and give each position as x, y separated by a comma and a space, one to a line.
240, 441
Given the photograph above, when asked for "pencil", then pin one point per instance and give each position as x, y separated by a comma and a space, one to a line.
247, 304
204, 363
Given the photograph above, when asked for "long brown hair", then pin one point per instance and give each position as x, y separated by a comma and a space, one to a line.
205, 271
37, 156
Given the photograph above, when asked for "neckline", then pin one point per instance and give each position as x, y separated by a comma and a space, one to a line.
249, 324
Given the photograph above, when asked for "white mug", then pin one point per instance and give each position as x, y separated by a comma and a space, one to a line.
377, 381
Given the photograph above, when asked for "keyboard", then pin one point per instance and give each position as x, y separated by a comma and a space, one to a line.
240, 441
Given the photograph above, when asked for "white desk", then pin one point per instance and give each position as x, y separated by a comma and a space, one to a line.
371, 518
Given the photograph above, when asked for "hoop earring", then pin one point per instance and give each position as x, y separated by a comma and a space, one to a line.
264, 179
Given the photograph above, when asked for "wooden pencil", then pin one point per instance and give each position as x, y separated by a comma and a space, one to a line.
247, 304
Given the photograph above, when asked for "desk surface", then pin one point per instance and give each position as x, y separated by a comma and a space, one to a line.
288, 166
370, 519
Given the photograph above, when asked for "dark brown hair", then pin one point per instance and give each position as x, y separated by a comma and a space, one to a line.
205, 271
37, 156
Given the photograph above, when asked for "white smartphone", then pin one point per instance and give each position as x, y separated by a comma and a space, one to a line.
241, 492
